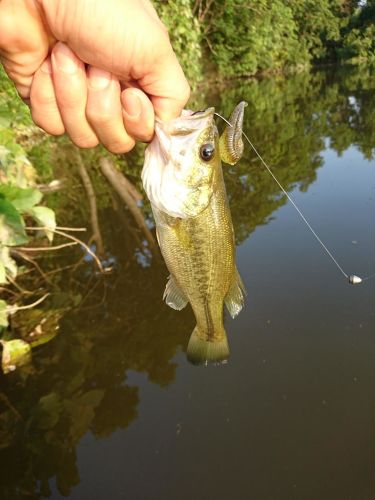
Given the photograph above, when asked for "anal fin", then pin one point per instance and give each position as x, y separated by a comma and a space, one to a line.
235, 298
174, 296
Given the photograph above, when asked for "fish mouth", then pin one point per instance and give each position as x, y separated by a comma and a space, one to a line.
190, 115
203, 113
187, 123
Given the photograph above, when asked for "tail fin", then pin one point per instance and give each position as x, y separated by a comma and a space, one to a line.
202, 350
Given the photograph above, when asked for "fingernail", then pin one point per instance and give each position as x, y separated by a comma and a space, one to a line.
132, 105
46, 67
98, 78
64, 59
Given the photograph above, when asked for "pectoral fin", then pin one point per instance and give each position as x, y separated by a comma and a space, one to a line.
174, 296
234, 300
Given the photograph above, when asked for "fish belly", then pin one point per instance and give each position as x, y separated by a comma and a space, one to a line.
199, 254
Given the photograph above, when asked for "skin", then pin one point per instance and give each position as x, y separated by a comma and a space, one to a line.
97, 71
203, 271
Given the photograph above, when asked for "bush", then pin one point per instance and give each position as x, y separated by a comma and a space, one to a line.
184, 33
246, 38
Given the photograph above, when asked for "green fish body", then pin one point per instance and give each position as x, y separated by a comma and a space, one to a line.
184, 180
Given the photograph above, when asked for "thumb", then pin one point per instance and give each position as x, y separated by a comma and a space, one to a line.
167, 87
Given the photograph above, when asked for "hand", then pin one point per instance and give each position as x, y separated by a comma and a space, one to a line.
98, 70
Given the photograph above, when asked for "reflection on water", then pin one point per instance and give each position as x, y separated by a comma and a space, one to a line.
290, 122
91, 379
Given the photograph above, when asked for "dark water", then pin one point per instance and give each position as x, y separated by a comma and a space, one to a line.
113, 409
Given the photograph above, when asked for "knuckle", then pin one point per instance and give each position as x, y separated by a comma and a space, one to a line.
19, 80
23, 91
144, 136
41, 97
38, 119
9, 31
51, 126
11, 71
54, 126
69, 101
98, 117
56, 130
118, 147
85, 142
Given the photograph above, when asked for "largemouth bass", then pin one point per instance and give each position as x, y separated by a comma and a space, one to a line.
183, 179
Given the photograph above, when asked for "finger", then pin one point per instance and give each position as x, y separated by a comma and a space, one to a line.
69, 79
22, 79
138, 114
170, 94
24, 42
103, 111
141, 51
44, 109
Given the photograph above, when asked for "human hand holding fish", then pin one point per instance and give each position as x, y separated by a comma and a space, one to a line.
45, 45
99, 71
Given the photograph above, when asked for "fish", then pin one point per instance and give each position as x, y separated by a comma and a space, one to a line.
183, 179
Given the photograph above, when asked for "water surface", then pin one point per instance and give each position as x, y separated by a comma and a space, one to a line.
114, 410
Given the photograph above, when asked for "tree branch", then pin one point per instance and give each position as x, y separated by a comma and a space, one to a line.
97, 236
116, 179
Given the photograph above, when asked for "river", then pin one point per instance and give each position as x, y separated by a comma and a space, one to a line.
114, 410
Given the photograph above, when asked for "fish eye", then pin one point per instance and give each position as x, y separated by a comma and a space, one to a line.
207, 151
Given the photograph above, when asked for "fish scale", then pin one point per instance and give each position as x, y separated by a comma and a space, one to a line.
198, 247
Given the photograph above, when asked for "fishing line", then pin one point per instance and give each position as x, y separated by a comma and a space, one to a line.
352, 278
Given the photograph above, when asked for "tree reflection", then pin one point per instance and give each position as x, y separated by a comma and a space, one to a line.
288, 121
78, 382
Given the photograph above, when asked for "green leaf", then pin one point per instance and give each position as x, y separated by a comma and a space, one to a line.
45, 217
4, 153
8, 263
8, 428
3, 314
81, 410
12, 230
45, 330
3, 275
4, 122
15, 353
21, 198
92, 398
47, 412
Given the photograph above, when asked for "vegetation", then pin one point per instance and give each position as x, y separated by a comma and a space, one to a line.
19, 204
288, 119
185, 35
243, 38
78, 382
107, 324
29, 161
233, 37
358, 43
